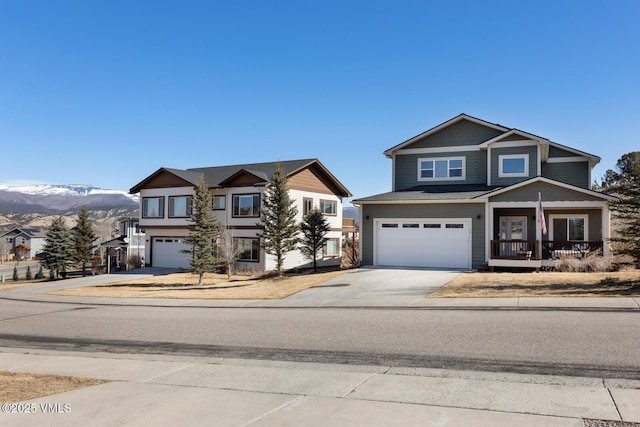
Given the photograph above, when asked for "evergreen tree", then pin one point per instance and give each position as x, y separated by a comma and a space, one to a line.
15, 274
58, 246
626, 210
314, 229
28, 275
40, 273
280, 232
83, 238
203, 232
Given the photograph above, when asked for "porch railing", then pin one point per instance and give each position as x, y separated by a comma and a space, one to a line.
551, 249
515, 249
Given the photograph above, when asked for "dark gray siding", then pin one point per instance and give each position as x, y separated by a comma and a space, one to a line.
531, 150
549, 192
458, 210
515, 138
559, 152
406, 169
462, 133
574, 173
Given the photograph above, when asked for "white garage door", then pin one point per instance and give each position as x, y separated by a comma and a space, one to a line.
166, 253
438, 243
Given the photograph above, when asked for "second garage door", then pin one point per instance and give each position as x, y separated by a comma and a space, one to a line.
166, 253
423, 243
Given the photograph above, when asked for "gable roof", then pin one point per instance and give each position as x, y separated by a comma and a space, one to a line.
441, 126
593, 159
29, 232
218, 176
517, 185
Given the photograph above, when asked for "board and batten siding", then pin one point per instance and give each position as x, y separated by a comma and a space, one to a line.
425, 211
406, 169
530, 150
463, 132
574, 173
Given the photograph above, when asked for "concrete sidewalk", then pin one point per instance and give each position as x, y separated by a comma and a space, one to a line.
166, 390
348, 290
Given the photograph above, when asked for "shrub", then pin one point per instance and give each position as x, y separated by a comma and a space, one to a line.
15, 274
28, 275
134, 261
40, 273
592, 262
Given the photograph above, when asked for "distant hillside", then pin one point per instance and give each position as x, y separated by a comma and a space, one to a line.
35, 206
61, 199
352, 212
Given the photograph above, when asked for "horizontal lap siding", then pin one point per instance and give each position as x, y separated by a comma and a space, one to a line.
462, 133
406, 169
425, 211
549, 192
574, 173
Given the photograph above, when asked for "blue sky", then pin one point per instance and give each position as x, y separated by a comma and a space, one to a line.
106, 92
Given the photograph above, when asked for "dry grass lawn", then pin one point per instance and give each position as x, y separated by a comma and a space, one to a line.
544, 284
216, 286
17, 387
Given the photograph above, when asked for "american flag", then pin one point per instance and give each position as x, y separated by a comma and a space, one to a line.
543, 224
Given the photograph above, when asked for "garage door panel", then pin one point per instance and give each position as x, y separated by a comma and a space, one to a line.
424, 243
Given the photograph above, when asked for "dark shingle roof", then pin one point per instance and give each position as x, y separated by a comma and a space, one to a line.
432, 192
214, 176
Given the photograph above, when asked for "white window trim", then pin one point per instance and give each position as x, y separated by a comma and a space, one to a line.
502, 174
585, 217
448, 159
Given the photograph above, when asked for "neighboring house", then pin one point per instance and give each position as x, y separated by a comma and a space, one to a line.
24, 243
130, 243
237, 193
466, 193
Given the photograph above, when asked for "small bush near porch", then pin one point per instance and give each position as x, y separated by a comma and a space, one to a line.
544, 284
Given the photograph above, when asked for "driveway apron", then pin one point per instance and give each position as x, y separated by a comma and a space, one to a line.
377, 287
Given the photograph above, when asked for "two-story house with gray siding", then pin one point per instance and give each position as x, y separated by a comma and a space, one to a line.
469, 192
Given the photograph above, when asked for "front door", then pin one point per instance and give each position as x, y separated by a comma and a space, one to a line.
512, 228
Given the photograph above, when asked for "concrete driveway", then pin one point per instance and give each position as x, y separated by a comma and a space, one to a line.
375, 287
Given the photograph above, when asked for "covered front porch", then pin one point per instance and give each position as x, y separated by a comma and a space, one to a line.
570, 230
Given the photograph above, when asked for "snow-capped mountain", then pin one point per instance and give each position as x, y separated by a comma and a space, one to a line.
62, 190
61, 199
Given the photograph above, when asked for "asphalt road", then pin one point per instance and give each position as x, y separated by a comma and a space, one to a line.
579, 343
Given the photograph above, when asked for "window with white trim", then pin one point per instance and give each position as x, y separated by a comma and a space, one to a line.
513, 165
331, 248
569, 227
438, 169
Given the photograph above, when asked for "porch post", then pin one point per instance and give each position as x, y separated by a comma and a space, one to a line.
488, 229
606, 223
538, 232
